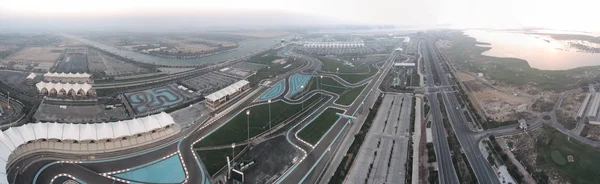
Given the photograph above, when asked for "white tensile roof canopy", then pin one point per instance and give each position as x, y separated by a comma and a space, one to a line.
67, 87
13, 137
227, 90
67, 75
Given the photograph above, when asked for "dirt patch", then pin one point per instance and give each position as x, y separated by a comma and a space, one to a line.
499, 105
593, 132
464, 76
543, 105
37, 54
572, 102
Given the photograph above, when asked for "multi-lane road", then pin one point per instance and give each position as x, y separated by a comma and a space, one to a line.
311, 168
466, 137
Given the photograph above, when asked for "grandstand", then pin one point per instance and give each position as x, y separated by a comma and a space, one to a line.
64, 89
68, 77
334, 44
221, 97
15, 137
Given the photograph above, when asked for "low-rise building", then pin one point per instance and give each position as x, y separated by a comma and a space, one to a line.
30, 79
64, 89
217, 99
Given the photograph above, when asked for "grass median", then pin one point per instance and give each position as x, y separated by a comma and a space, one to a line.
313, 132
349, 96
235, 130
214, 160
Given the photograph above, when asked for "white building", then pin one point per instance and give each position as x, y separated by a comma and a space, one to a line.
584, 105
29, 80
64, 89
594, 122
404, 64
221, 97
334, 44
504, 176
593, 111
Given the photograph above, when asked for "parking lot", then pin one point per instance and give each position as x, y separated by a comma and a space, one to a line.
79, 114
100, 62
73, 63
382, 157
208, 83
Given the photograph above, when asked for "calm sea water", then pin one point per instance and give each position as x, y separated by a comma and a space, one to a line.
540, 52
245, 47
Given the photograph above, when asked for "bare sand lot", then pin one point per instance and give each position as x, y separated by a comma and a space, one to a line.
498, 104
37, 54
464, 76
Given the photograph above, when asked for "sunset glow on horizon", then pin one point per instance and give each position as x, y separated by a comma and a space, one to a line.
572, 15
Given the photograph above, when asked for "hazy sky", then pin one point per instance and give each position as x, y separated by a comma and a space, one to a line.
557, 14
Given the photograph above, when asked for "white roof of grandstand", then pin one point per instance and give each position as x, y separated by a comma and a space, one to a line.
31, 76
73, 75
11, 138
227, 90
67, 86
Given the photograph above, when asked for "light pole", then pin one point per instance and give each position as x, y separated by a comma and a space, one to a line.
269, 114
232, 151
321, 96
248, 122
302, 87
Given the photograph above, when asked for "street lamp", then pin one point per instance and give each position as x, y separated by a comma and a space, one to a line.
232, 151
269, 114
302, 87
248, 122
321, 96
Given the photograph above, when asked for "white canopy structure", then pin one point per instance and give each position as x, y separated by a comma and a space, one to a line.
67, 75
13, 137
229, 90
30, 76
334, 44
55, 88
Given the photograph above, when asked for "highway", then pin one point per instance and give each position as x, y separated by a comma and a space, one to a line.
446, 171
466, 137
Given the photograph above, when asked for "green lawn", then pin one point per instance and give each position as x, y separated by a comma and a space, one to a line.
266, 58
236, 129
349, 96
317, 128
554, 154
215, 159
331, 65
327, 84
354, 78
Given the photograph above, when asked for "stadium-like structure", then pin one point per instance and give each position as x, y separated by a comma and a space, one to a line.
334, 44
64, 89
14, 137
